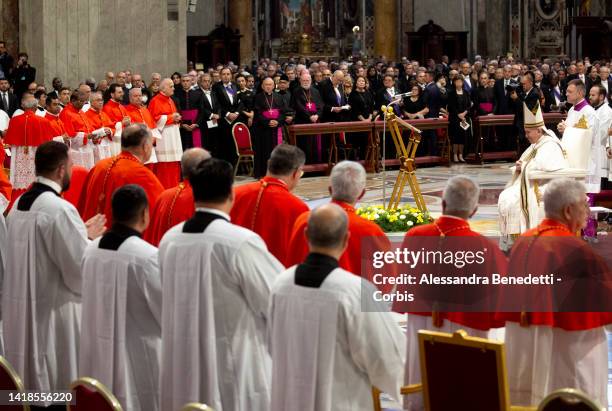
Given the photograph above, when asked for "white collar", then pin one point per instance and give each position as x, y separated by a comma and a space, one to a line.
214, 211
50, 183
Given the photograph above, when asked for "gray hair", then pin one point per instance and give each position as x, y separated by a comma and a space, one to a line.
560, 193
348, 180
461, 194
327, 226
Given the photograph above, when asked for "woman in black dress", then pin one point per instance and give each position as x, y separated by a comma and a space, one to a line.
458, 113
414, 105
362, 109
374, 79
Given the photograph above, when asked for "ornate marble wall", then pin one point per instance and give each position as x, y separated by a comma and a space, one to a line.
75, 39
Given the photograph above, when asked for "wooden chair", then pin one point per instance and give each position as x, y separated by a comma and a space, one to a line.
462, 372
196, 406
244, 148
92, 395
569, 399
10, 381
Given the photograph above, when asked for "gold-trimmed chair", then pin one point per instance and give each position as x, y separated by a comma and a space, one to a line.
244, 148
569, 399
462, 372
196, 406
10, 381
91, 395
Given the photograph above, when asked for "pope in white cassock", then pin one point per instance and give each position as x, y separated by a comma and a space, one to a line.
41, 298
327, 348
216, 281
121, 324
520, 204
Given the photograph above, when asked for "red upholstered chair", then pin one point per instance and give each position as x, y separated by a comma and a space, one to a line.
196, 406
10, 381
462, 372
244, 148
92, 395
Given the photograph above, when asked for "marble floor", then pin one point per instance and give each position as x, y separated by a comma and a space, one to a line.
492, 178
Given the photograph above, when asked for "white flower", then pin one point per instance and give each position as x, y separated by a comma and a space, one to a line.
402, 217
410, 223
376, 216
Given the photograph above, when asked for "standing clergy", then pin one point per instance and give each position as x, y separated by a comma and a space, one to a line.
520, 204
41, 295
103, 127
121, 333
327, 351
268, 130
547, 351
217, 278
139, 113
52, 110
603, 110
79, 130
582, 115
175, 205
459, 204
117, 114
267, 206
114, 172
25, 134
308, 106
187, 102
168, 149
347, 185
229, 110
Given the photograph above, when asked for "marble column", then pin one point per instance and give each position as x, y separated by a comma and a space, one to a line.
9, 25
241, 19
385, 29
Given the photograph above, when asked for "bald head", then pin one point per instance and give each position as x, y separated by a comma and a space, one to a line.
166, 87
327, 230
190, 160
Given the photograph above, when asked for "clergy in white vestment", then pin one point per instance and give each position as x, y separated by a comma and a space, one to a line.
547, 351
216, 281
41, 296
327, 351
4, 121
603, 112
520, 204
121, 325
582, 115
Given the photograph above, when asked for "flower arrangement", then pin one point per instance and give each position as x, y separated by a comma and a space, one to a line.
400, 219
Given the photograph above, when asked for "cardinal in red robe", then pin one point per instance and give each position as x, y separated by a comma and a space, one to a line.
103, 128
77, 181
139, 113
459, 203
565, 347
267, 206
176, 204
114, 172
6, 189
52, 110
24, 134
345, 175
79, 131
117, 113
169, 148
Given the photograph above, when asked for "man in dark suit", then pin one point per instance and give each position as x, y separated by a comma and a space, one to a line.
528, 94
334, 99
8, 101
606, 81
209, 112
23, 75
229, 109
